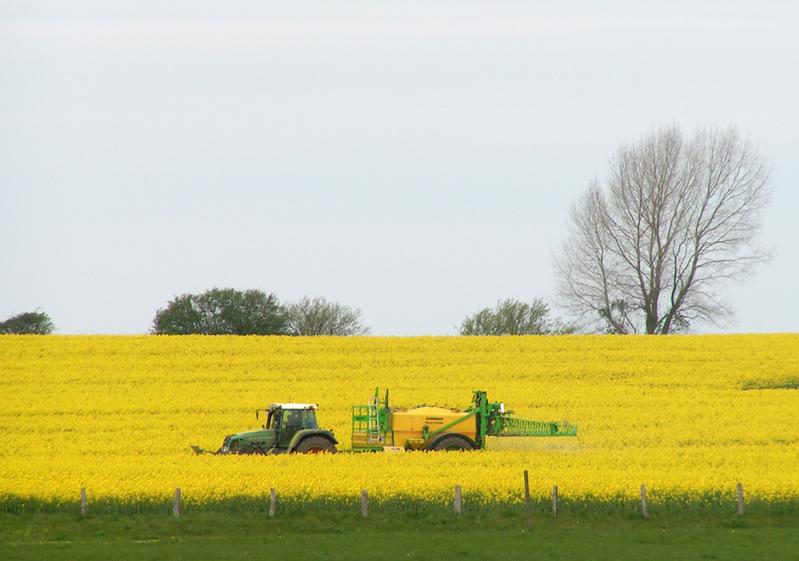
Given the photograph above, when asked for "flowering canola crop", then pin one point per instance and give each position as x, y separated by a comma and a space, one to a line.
688, 415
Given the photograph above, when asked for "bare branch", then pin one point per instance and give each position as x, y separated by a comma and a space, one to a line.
318, 316
677, 219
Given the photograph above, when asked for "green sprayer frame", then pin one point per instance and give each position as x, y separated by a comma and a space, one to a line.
374, 421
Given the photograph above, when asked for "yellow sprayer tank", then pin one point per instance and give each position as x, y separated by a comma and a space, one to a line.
376, 426
407, 425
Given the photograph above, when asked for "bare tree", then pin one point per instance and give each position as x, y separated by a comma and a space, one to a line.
678, 218
318, 316
512, 317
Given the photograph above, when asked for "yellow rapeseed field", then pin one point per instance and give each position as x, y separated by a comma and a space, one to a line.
117, 414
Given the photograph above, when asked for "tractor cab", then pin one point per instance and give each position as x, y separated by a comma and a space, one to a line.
286, 419
288, 427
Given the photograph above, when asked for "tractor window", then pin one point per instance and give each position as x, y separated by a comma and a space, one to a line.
290, 422
269, 418
292, 418
310, 419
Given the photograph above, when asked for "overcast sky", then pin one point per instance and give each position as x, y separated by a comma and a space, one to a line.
413, 159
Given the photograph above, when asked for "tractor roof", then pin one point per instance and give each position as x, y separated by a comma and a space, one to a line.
294, 406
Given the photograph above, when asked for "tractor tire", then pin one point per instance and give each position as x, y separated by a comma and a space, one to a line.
452, 443
315, 445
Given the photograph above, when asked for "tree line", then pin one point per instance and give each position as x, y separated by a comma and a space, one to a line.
226, 311
650, 250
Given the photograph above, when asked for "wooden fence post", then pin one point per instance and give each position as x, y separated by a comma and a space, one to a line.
740, 499
458, 500
528, 508
644, 511
555, 501
364, 503
176, 503
272, 503
84, 502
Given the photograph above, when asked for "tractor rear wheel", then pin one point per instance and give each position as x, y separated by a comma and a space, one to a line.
453, 442
315, 445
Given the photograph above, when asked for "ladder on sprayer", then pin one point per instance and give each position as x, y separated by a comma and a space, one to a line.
374, 434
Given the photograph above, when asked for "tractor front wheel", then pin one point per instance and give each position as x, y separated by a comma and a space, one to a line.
315, 445
452, 443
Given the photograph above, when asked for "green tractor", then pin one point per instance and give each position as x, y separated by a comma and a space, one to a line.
288, 428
